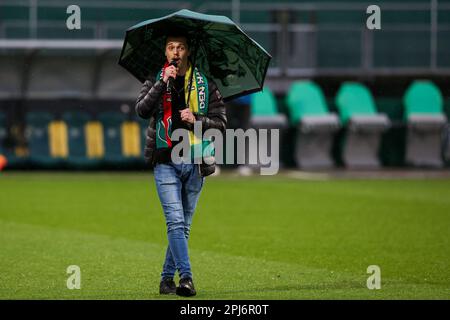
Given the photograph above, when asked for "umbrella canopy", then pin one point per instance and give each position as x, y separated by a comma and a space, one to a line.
219, 48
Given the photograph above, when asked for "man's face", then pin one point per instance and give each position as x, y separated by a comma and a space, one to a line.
177, 48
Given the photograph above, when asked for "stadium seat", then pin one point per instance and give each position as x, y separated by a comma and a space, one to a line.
263, 104
425, 121
264, 114
143, 124
84, 140
3, 133
364, 126
112, 122
131, 139
308, 112
16, 155
447, 135
47, 144
121, 139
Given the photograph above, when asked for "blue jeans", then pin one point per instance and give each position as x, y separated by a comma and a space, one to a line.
179, 187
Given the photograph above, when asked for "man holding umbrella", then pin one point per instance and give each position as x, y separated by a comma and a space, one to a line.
166, 101
190, 63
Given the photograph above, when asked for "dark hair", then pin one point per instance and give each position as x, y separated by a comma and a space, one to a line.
179, 34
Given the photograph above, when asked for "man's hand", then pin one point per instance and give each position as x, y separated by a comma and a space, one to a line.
187, 115
170, 71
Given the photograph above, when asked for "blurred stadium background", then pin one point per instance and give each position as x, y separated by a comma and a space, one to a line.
343, 97
341, 94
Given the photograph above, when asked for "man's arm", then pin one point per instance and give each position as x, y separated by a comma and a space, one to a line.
148, 100
216, 117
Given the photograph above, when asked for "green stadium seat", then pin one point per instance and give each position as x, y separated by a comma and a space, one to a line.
425, 118
143, 124
7, 146
264, 114
112, 121
354, 99
112, 132
305, 98
423, 97
263, 103
308, 112
447, 134
37, 134
447, 108
3, 133
77, 122
365, 125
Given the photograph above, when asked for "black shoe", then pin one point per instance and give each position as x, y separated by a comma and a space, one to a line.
186, 288
167, 286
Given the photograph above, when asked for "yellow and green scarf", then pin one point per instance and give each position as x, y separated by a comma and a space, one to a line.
198, 103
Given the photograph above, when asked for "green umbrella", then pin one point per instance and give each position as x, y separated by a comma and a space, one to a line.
220, 49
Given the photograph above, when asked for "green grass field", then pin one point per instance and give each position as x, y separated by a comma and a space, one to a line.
252, 238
